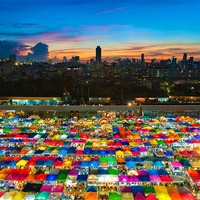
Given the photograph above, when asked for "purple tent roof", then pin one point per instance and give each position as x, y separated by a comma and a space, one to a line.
123, 178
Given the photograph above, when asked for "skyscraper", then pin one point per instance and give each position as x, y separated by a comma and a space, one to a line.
184, 58
98, 56
142, 58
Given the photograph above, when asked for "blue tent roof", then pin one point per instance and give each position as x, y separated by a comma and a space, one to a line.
125, 143
129, 159
82, 178
26, 157
51, 177
91, 189
150, 137
4, 163
40, 162
144, 178
102, 171
71, 150
152, 172
87, 150
147, 144
67, 143
103, 153
185, 164
136, 189
63, 151
158, 164
85, 163
12, 163
134, 149
94, 163
95, 152
115, 130
2, 152
48, 163
130, 164
162, 172
111, 152
38, 152
168, 153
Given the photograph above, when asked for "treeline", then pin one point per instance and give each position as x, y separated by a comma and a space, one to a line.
58, 85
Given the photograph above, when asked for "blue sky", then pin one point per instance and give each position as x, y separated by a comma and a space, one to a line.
125, 28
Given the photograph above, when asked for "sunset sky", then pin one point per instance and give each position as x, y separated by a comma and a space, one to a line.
158, 28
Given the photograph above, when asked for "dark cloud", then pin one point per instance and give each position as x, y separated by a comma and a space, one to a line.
39, 52
11, 47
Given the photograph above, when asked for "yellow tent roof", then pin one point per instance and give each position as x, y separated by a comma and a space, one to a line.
19, 195
3, 176
160, 189
119, 153
132, 144
21, 163
56, 137
42, 148
163, 196
195, 164
95, 144
86, 158
153, 142
67, 163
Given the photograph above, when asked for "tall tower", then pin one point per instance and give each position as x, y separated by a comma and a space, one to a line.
184, 57
142, 58
98, 56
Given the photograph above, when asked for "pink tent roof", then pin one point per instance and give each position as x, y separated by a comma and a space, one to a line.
134, 179
142, 149
123, 178
139, 196
11, 177
73, 172
76, 163
142, 172
79, 152
155, 178
58, 189
176, 164
46, 188
135, 153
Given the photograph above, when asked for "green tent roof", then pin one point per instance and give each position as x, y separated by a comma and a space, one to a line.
148, 190
113, 171
42, 196
114, 196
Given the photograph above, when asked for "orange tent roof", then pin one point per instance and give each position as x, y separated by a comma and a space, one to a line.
91, 196
176, 196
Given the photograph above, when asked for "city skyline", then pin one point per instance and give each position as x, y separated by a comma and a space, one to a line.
125, 29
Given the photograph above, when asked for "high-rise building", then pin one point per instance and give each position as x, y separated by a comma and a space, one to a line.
12, 58
98, 56
75, 59
184, 58
142, 58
